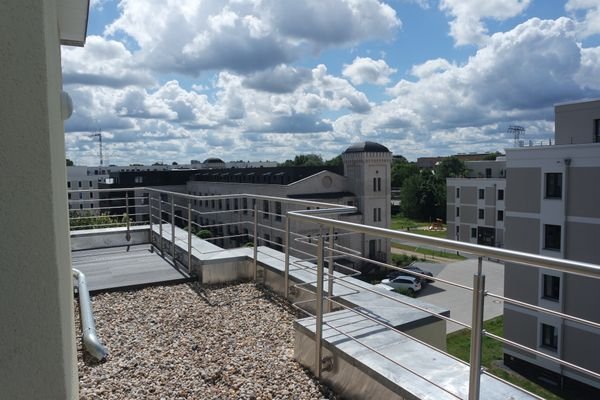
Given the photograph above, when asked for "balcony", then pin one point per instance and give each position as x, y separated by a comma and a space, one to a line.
298, 265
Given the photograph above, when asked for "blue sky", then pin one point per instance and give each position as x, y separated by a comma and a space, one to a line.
270, 79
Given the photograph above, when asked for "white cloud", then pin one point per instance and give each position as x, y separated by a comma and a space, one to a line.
590, 25
103, 62
366, 70
246, 36
467, 26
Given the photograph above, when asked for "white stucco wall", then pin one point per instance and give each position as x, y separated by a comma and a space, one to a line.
37, 342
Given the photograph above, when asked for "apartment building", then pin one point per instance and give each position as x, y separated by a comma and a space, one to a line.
552, 209
475, 204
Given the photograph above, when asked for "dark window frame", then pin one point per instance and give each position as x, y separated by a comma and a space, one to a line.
551, 287
552, 237
500, 215
553, 183
481, 194
480, 213
549, 339
500, 194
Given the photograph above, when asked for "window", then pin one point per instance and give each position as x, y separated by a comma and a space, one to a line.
220, 204
549, 337
473, 232
377, 184
500, 215
245, 205
552, 237
265, 208
501, 194
551, 287
457, 230
377, 214
69, 195
554, 185
458, 211
458, 193
481, 194
90, 183
79, 183
69, 184
80, 195
597, 130
91, 195
236, 204
227, 204
488, 172
138, 179
278, 211
481, 213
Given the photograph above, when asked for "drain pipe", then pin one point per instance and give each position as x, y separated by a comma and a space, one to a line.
90, 341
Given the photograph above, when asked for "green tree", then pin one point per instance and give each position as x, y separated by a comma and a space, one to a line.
422, 196
401, 170
451, 167
335, 161
69, 163
304, 160
492, 156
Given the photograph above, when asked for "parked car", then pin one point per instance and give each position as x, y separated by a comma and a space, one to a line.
409, 283
411, 268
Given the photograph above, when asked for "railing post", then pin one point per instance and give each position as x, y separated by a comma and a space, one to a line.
255, 266
286, 273
329, 271
128, 234
189, 236
150, 216
476, 332
173, 227
160, 230
319, 305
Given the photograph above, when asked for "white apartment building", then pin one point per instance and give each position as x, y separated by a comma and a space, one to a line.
553, 209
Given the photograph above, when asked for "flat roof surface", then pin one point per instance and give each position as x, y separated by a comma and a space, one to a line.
126, 266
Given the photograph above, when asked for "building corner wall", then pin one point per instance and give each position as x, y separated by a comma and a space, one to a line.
37, 335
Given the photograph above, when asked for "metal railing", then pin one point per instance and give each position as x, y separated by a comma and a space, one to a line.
315, 235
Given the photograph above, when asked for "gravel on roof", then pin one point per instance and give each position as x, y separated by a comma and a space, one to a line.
195, 342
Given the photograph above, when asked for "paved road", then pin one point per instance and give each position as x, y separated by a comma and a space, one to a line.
459, 300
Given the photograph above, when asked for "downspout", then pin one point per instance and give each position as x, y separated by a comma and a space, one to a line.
567, 162
90, 340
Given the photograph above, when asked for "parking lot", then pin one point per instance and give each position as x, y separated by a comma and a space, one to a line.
459, 300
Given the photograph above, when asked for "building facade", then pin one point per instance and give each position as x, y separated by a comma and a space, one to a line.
475, 204
552, 209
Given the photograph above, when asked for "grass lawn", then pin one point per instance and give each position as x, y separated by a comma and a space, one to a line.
401, 222
459, 346
428, 252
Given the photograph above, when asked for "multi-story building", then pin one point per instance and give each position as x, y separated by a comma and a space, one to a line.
363, 181
552, 209
475, 203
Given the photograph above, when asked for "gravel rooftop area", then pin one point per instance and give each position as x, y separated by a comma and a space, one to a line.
195, 342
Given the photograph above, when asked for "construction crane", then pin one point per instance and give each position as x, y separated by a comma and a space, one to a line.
517, 131
99, 136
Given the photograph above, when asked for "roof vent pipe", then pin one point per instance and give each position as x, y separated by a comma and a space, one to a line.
90, 340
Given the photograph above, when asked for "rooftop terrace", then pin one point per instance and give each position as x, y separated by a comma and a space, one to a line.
304, 308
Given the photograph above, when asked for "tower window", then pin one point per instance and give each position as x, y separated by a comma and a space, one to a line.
481, 213
500, 194
481, 194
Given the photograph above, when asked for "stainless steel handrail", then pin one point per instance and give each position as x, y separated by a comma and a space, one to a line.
90, 340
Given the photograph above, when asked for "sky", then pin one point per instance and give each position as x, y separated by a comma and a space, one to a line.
176, 80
